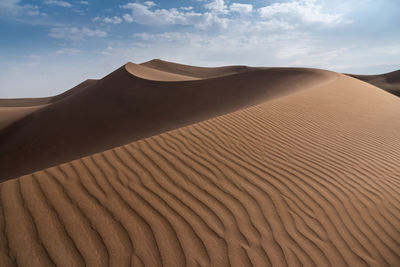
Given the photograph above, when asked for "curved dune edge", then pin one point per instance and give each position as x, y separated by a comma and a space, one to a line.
154, 74
308, 179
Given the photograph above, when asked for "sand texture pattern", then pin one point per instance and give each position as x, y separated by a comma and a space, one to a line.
310, 178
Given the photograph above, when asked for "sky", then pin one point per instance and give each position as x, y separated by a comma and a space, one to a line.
49, 46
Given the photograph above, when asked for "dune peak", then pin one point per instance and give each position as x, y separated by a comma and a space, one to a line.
148, 73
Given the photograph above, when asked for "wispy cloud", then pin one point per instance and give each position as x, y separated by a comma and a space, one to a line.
113, 20
241, 8
75, 34
58, 3
144, 14
303, 10
217, 6
14, 7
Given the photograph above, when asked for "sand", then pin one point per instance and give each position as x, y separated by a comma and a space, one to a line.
389, 81
308, 177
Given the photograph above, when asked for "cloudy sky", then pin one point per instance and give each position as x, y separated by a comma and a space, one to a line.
47, 47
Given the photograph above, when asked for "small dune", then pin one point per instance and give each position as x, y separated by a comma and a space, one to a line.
287, 167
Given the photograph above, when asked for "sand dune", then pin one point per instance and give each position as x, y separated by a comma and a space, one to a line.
124, 107
307, 179
388, 81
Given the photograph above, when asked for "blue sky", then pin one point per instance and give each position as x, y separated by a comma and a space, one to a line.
48, 46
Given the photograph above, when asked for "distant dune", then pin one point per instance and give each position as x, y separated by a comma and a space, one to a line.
389, 81
162, 164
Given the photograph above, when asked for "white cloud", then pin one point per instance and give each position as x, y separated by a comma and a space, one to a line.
187, 8
84, 3
241, 8
141, 13
144, 14
287, 15
217, 6
149, 3
275, 24
305, 10
74, 33
57, 3
113, 20
128, 18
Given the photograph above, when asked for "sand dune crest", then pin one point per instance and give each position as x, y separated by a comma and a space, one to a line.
154, 74
194, 71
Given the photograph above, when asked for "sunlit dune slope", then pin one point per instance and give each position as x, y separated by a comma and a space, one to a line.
389, 81
194, 71
149, 73
132, 103
307, 179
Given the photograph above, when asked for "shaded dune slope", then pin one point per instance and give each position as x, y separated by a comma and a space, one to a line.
122, 107
12, 110
308, 179
28, 102
389, 81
